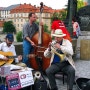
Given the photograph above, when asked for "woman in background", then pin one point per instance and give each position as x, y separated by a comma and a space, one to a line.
76, 28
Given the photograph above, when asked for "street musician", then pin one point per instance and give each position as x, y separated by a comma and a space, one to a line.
60, 50
8, 49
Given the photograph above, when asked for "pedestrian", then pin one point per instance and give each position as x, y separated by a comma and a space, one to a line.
57, 47
7, 48
76, 28
58, 24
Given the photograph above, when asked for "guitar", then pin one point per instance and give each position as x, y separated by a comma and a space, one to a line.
11, 57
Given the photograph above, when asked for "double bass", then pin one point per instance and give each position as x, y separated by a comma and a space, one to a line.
41, 39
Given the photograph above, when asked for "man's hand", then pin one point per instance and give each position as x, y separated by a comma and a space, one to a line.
20, 57
57, 45
41, 23
5, 58
32, 43
49, 46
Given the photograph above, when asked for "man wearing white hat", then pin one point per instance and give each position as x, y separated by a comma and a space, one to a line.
58, 47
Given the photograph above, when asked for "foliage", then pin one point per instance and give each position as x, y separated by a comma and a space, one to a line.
19, 36
80, 4
61, 15
45, 28
8, 27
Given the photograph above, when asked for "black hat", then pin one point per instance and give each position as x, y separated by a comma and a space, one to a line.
10, 37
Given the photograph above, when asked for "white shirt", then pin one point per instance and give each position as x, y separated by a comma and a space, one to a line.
5, 48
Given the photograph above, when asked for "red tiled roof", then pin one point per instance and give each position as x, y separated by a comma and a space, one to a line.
24, 8
30, 8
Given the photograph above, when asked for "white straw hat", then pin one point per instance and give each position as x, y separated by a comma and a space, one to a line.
58, 33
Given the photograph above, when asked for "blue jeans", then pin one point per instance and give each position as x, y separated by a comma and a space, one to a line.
27, 49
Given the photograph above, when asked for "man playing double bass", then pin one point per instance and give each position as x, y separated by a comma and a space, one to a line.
60, 46
29, 30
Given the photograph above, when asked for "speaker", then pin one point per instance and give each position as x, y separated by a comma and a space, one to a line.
40, 85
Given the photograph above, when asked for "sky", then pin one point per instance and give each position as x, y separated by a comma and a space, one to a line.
55, 4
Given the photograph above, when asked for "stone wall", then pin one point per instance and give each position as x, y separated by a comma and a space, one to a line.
19, 48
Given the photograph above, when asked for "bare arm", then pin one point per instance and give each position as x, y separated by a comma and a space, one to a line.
28, 39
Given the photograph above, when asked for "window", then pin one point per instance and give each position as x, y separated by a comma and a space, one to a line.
18, 25
21, 20
46, 14
14, 15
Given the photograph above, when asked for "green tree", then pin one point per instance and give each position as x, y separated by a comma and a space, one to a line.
19, 36
61, 15
80, 3
45, 27
8, 27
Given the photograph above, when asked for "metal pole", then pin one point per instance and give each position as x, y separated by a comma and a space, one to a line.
70, 12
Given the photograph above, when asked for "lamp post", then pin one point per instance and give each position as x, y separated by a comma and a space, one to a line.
69, 16
71, 12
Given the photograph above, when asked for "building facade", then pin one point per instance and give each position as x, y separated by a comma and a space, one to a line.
19, 14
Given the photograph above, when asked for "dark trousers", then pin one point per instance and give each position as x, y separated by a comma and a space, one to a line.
66, 68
